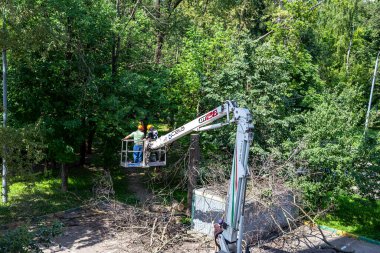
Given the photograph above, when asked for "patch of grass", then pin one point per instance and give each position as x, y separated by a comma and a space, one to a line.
186, 221
121, 188
28, 200
180, 195
131, 200
43, 196
355, 215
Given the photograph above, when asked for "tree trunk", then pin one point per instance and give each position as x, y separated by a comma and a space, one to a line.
5, 88
67, 72
4, 189
349, 49
115, 47
69, 53
160, 34
351, 34
64, 177
115, 56
82, 159
371, 93
90, 137
161, 20
192, 172
160, 43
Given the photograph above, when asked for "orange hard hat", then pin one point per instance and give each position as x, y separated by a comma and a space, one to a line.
140, 127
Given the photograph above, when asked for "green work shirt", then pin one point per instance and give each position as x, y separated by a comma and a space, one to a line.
138, 137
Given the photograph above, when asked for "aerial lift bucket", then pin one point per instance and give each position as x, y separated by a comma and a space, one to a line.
151, 158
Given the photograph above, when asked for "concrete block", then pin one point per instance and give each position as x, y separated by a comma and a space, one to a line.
262, 217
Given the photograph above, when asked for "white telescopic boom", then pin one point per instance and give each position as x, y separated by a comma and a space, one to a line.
194, 125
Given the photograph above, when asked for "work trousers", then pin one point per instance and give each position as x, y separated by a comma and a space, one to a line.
137, 153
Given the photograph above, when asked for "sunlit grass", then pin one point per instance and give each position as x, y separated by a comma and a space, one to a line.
355, 215
31, 199
43, 196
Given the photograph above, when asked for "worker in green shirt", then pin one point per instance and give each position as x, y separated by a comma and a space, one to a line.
138, 139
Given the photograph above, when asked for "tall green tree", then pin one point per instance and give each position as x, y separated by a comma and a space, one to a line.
4, 190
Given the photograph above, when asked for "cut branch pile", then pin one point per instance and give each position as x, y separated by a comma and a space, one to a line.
150, 231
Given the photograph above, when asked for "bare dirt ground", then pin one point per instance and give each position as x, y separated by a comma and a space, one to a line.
97, 229
113, 227
116, 227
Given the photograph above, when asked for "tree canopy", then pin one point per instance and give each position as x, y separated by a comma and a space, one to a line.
83, 73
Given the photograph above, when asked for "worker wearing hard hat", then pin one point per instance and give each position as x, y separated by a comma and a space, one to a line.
138, 139
152, 133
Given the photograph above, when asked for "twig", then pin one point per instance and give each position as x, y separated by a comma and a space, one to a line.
151, 235
330, 245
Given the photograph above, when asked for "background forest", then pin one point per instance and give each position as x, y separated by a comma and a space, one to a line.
82, 73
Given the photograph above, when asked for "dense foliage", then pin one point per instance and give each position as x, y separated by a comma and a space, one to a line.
85, 72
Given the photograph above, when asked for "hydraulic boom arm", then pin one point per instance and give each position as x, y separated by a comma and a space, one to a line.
195, 125
231, 238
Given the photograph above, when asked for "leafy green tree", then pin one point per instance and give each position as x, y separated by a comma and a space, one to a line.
24, 149
86, 72
203, 57
328, 144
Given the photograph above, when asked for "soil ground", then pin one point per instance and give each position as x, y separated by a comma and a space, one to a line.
90, 229
115, 227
